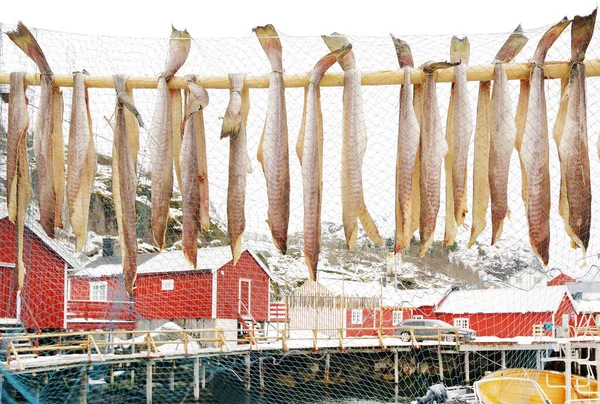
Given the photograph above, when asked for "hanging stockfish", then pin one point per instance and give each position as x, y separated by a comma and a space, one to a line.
570, 134
18, 184
47, 135
354, 146
82, 161
194, 172
503, 133
532, 144
310, 152
408, 148
459, 127
433, 150
273, 152
234, 127
162, 135
124, 183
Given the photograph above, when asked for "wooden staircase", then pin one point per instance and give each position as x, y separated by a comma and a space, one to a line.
19, 345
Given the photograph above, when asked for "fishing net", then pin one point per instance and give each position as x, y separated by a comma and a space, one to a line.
262, 331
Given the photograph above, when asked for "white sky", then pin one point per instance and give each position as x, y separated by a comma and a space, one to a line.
306, 17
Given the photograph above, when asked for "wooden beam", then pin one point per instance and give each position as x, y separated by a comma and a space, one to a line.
148, 382
196, 379
514, 71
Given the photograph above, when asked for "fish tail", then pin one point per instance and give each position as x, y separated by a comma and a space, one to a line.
548, 40
25, 40
368, 223
236, 249
232, 122
581, 35
326, 62
123, 97
179, 49
403, 52
337, 41
513, 45
270, 42
431, 67
460, 50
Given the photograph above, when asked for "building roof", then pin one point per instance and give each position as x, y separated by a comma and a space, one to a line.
511, 300
210, 259
63, 252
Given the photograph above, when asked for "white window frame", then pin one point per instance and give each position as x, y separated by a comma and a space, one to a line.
357, 316
249, 282
461, 322
69, 289
167, 284
93, 297
397, 317
417, 317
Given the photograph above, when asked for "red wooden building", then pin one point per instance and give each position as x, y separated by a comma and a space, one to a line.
41, 304
217, 294
507, 313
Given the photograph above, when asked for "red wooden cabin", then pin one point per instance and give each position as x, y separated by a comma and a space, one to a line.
507, 313
217, 294
41, 303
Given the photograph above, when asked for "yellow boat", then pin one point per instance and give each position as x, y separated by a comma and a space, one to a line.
530, 386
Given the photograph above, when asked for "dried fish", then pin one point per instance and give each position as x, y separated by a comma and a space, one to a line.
433, 150
503, 132
194, 175
162, 135
273, 152
408, 148
571, 138
310, 152
458, 136
124, 183
234, 127
82, 161
48, 143
18, 183
354, 145
534, 152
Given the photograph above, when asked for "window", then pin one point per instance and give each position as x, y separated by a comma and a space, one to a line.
461, 322
98, 291
357, 316
68, 289
396, 317
417, 317
168, 284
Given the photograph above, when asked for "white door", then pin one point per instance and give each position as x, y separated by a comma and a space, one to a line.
244, 297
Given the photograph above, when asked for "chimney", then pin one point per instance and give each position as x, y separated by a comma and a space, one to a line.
108, 247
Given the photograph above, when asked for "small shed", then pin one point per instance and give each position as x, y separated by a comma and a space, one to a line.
216, 295
41, 304
507, 313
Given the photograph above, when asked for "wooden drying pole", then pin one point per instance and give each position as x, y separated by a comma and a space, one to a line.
514, 71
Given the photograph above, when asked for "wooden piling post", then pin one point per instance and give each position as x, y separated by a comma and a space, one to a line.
261, 376
248, 369
148, 382
396, 372
467, 369
132, 377
503, 359
83, 387
196, 379
172, 378
111, 373
203, 375
441, 365
2, 386
327, 367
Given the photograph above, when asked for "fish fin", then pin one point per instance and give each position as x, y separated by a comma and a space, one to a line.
25, 40
460, 50
581, 35
548, 39
513, 45
403, 52
271, 44
337, 41
326, 62
300, 142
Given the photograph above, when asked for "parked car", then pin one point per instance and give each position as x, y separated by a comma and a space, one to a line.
431, 328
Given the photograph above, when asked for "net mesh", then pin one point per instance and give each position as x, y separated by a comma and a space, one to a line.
260, 331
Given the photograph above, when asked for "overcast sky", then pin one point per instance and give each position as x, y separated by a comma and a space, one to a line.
308, 17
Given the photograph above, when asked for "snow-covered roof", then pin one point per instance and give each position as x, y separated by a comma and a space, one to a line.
511, 300
389, 294
64, 252
210, 259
